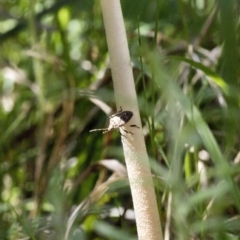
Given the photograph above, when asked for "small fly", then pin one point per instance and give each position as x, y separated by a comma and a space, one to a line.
117, 120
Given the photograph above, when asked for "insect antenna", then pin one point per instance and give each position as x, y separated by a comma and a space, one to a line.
100, 129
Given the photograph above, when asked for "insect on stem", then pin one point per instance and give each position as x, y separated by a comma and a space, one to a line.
117, 120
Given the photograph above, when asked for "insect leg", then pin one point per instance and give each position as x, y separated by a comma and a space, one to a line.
133, 125
116, 113
121, 133
126, 131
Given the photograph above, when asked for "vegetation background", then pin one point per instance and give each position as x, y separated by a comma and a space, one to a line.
58, 181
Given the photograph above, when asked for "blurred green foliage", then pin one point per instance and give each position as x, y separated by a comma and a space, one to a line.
58, 181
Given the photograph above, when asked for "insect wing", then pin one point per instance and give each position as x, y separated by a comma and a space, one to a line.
125, 116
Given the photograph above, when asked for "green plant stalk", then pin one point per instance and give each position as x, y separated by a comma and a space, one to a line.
37, 66
23, 223
141, 183
144, 93
38, 71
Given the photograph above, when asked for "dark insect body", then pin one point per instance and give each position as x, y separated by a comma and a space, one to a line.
117, 120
